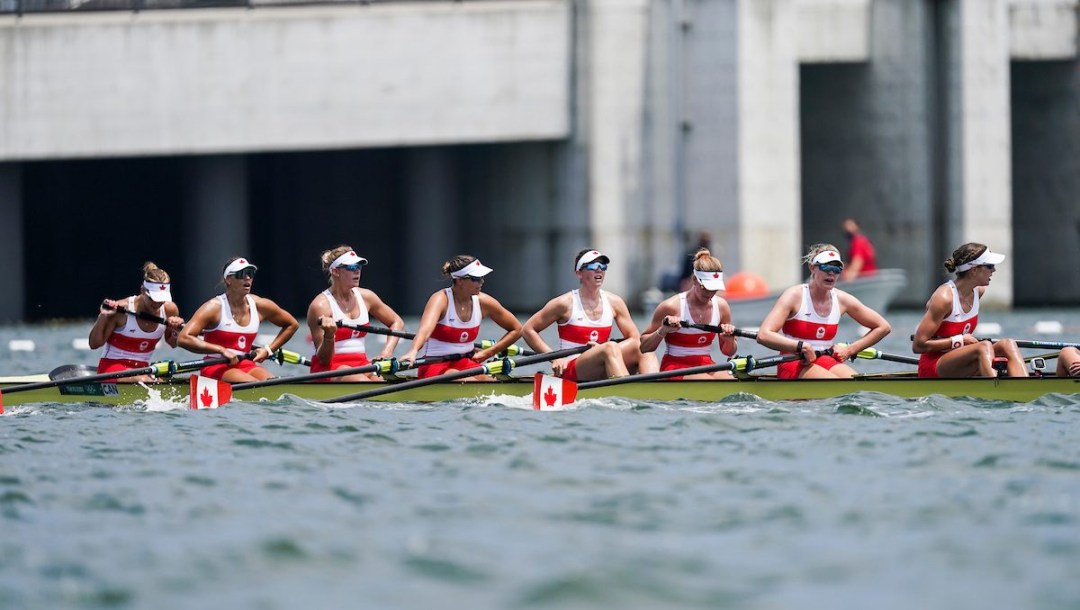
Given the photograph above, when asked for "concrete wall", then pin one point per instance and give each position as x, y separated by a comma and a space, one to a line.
285, 78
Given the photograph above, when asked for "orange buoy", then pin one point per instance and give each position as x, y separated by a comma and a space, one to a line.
745, 285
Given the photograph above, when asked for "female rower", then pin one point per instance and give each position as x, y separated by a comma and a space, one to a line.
128, 340
586, 316
451, 321
944, 339
1068, 362
688, 347
229, 324
345, 301
805, 319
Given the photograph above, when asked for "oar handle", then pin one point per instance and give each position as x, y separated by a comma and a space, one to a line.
748, 334
142, 315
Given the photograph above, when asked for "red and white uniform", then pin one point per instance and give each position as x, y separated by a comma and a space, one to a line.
452, 336
810, 327
579, 329
129, 346
959, 322
233, 336
349, 347
689, 347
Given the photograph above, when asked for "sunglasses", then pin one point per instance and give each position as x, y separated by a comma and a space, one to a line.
473, 278
244, 273
594, 267
990, 267
830, 268
352, 267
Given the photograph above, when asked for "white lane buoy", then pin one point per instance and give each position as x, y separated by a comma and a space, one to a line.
988, 328
82, 344
1049, 327
21, 345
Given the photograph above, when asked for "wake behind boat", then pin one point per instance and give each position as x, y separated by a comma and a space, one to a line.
764, 386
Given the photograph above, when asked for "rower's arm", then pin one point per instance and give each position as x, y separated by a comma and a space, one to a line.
493, 309
553, 311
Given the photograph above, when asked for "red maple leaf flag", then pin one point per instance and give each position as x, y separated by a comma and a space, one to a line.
552, 393
207, 393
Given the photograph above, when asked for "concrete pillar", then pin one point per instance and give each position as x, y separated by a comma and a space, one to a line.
617, 35
768, 140
11, 243
984, 118
218, 214
431, 226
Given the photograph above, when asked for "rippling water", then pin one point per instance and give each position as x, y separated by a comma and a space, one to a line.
863, 499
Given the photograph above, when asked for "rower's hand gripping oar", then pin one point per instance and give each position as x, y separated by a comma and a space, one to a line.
281, 356
493, 367
551, 393
512, 350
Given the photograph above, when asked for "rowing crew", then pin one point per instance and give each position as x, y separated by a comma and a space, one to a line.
804, 322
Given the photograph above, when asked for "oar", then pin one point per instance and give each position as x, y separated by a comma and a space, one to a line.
747, 364
512, 350
871, 353
1026, 343
494, 367
382, 367
281, 356
158, 369
749, 334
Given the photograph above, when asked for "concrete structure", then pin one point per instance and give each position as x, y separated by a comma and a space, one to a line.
522, 131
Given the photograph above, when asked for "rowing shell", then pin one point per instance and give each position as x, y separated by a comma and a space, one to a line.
1004, 389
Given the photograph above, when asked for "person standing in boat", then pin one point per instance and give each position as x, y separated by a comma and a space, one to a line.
862, 259
944, 339
229, 324
346, 301
129, 342
806, 317
586, 316
451, 321
689, 347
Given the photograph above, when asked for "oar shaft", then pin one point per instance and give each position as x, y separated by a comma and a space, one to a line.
1026, 343
492, 367
159, 369
748, 334
513, 350
382, 367
746, 364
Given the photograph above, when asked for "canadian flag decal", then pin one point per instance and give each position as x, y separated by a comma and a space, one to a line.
552, 393
207, 393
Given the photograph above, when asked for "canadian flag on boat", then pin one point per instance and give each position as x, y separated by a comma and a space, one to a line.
207, 393
552, 393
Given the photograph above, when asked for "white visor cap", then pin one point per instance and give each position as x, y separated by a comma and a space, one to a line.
473, 269
986, 258
349, 258
237, 265
590, 256
827, 256
711, 280
160, 292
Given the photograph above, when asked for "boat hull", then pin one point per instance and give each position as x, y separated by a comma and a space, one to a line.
769, 388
